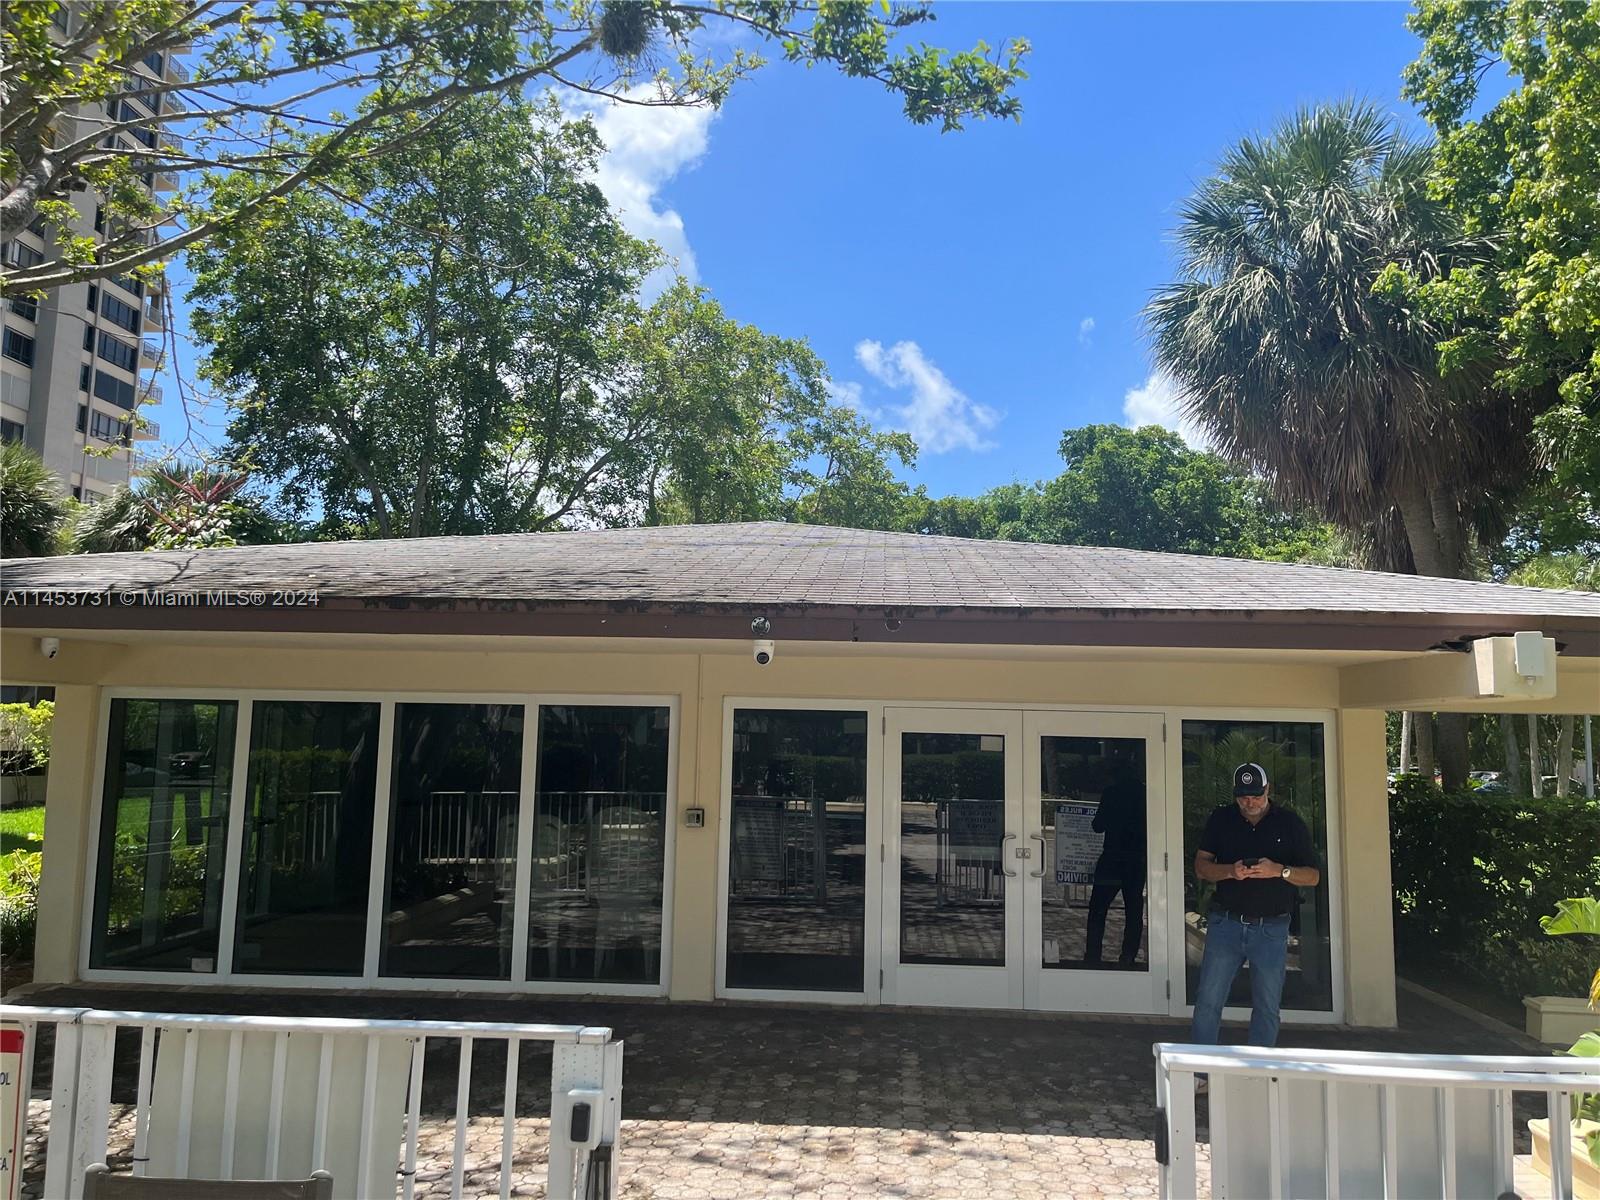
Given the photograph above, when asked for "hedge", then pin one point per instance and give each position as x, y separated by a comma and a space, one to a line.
1473, 873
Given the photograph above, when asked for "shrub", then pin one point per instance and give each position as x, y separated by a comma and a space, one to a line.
25, 737
1474, 873
19, 903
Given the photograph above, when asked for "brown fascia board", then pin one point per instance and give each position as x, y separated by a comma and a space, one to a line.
1264, 629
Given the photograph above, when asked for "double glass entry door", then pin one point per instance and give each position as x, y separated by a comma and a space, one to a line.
1024, 862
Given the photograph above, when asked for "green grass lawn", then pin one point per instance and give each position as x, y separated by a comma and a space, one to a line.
22, 828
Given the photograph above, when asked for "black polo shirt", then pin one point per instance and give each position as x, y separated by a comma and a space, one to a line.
1279, 835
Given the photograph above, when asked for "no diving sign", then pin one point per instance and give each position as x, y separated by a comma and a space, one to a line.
13, 1111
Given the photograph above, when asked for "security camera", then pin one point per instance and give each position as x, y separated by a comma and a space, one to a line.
49, 647
765, 651
760, 627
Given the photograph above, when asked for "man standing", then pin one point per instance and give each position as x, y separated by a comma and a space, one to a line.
1257, 854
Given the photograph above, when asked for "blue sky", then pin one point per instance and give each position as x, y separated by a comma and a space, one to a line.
983, 288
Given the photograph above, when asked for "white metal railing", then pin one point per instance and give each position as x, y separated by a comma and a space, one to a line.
1332, 1123
259, 1122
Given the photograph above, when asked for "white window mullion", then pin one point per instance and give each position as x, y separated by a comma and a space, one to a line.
378, 872
233, 846
523, 892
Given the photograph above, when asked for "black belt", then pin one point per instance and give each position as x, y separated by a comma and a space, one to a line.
1244, 920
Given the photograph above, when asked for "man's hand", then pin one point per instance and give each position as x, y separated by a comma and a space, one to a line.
1264, 869
1240, 871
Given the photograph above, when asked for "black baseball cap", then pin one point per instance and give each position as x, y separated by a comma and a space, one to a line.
1250, 779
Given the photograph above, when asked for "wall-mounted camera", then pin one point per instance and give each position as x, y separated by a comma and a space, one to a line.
765, 649
49, 647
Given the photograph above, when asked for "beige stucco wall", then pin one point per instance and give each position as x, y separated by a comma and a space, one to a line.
701, 681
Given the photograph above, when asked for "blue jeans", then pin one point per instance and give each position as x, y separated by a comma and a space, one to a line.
1230, 943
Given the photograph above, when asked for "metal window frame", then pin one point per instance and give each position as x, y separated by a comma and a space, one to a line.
369, 979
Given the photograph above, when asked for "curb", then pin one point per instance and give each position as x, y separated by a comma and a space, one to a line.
1484, 1020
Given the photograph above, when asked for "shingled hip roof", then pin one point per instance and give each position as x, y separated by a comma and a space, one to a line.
776, 566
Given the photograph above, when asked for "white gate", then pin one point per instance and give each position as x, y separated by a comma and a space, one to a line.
226, 1097
1329, 1123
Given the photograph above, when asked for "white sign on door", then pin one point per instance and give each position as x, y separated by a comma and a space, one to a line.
1077, 842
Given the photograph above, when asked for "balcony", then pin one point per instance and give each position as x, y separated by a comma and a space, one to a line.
176, 70
150, 393
155, 315
145, 430
150, 352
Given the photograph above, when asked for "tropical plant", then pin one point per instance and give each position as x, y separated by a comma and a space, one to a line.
1582, 916
33, 507
182, 505
1296, 356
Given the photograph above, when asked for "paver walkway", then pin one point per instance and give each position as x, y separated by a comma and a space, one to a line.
728, 1102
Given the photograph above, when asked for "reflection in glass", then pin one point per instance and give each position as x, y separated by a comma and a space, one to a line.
797, 851
599, 844
952, 825
452, 841
307, 838
1093, 818
1292, 753
163, 834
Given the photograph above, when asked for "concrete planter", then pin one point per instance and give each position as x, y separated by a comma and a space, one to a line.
1585, 1175
1559, 1020
19, 791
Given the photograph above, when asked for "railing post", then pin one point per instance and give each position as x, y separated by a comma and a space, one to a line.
63, 1090
91, 1110
1175, 1108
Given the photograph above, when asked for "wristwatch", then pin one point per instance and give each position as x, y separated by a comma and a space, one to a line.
1285, 872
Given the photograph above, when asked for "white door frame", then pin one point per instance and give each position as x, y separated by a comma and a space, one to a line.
1061, 989
956, 986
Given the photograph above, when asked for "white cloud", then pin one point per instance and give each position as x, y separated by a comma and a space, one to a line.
1086, 331
937, 414
1156, 402
646, 148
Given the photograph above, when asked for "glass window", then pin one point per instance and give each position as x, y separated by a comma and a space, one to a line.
11, 431
448, 898
952, 826
118, 352
798, 851
25, 306
307, 853
163, 832
1292, 753
599, 844
1093, 815
18, 346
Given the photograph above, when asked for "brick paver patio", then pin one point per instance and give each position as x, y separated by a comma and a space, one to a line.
727, 1102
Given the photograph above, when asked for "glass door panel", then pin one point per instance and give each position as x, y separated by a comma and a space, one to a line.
952, 906
1095, 901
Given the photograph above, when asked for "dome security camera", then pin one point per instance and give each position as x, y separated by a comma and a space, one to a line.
49, 647
765, 651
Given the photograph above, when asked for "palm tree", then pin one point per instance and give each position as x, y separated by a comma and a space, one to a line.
32, 504
1291, 333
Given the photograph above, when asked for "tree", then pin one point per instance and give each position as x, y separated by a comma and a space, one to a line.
1299, 355
262, 79
32, 506
1143, 489
452, 343
1525, 174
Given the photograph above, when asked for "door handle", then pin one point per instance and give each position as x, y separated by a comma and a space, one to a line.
1010, 837
1039, 837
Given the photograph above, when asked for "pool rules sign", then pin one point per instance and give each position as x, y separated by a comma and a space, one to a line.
13, 1109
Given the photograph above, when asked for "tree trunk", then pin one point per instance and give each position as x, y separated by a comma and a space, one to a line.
1455, 763
1433, 530
1533, 755
1405, 744
1564, 757
1424, 724
1508, 742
